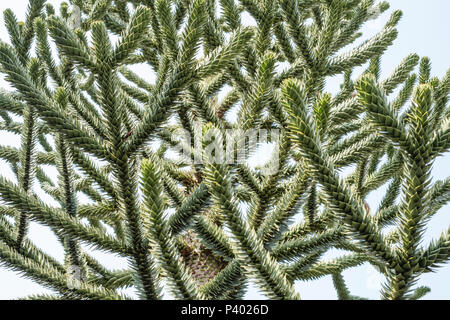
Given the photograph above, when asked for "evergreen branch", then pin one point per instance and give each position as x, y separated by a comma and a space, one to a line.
27, 168
297, 30
34, 10
59, 220
419, 293
341, 288
48, 110
190, 207
213, 237
271, 278
223, 56
132, 36
276, 221
224, 285
358, 56
69, 44
337, 265
437, 253
27, 249
292, 248
302, 132
182, 284
50, 277
371, 96
400, 73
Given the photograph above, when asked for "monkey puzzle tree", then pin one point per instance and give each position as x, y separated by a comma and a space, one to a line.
195, 225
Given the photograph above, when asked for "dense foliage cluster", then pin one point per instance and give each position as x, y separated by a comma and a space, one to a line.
204, 230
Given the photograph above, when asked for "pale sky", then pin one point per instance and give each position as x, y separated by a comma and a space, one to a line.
424, 29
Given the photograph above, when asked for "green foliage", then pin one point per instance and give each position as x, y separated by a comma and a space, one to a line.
206, 228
